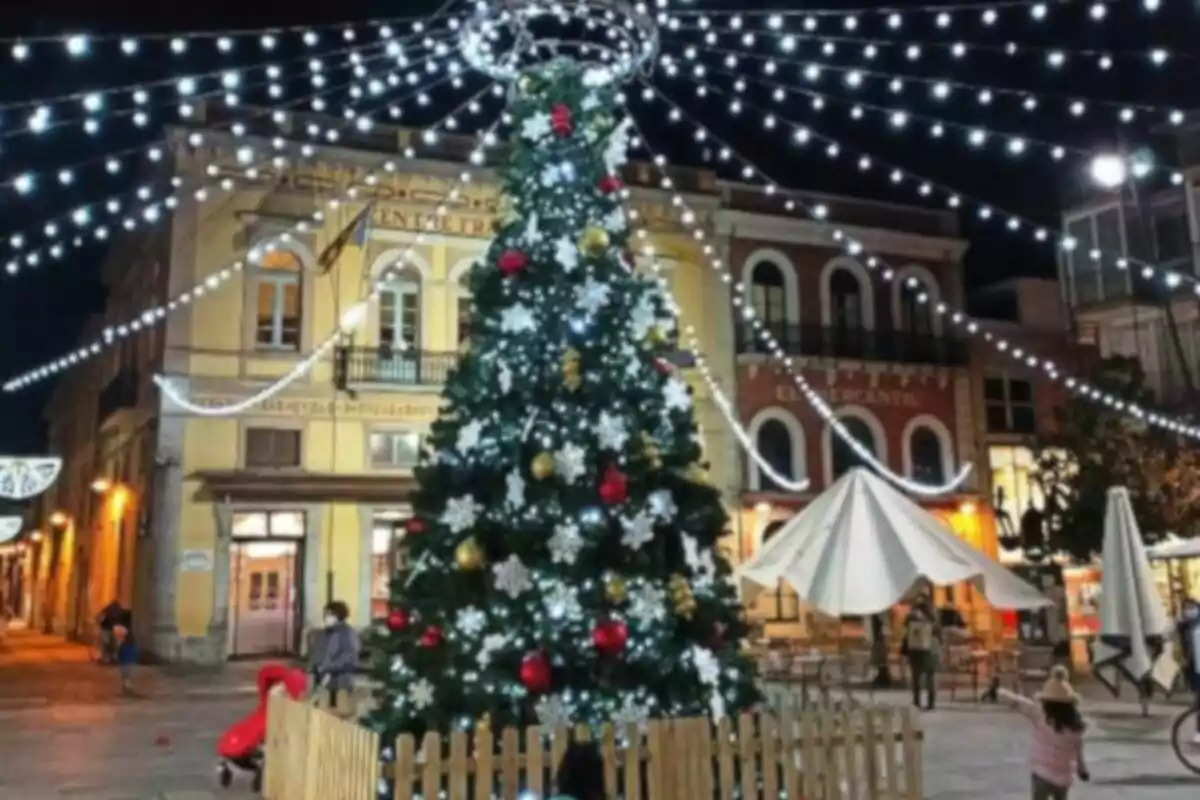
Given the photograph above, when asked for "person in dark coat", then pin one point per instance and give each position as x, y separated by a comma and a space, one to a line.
339, 658
922, 641
580, 773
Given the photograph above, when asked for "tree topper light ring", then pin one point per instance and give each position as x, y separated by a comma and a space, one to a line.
632, 50
10, 526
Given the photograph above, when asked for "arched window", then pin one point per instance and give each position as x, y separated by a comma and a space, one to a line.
845, 301
463, 309
916, 316
925, 449
774, 444
844, 456
768, 294
278, 301
400, 312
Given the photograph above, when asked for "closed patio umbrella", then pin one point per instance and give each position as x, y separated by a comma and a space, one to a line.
860, 546
1135, 630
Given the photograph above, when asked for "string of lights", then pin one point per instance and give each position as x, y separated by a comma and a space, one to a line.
81, 45
1053, 57
1015, 223
85, 222
975, 136
230, 84
793, 200
827, 413
113, 334
115, 162
988, 14
942, 89
354, 317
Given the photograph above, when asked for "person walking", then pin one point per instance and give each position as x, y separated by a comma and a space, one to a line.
339, 659
109, 618
126, 656
580, 774
1189, 640
922, 640
1056, 744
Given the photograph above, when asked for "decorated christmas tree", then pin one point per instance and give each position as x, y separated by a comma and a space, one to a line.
563, 549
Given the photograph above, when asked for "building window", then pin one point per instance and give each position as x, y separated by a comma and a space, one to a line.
268, 525
272, 447
395, 449
400, 312
768, 294
389, 558
925, 450
1009, 406
844, 456
845, 300
774, 443
916, 317
1099, 239
785, 602
1172, 241
278, 301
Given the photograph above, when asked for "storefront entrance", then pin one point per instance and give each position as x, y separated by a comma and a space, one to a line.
265, 585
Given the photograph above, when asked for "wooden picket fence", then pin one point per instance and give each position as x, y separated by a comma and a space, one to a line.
871, 753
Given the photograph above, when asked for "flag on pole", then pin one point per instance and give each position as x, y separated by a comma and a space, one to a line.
355, 231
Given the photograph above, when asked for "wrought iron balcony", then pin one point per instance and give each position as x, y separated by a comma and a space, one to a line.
387, 366
857, 344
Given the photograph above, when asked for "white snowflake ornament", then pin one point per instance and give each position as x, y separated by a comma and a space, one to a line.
552, 712
676, 396
647, 604
536, 126
420, 694
562, 602
570, 463
614, 221
566, 253
565, 544
512, 577
470, 621
468, 436
461, 513
515, 496
592, 295
662, 505
617, 147
638, 531
517, 319
611, 431
491, 643
505, 379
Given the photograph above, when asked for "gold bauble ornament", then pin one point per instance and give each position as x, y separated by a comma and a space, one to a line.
615, 590
469, 556
542, 466
656, 337
572, 381
593, 241
697, 474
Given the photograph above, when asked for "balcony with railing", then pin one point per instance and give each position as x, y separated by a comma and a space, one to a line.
857, 344
388, 366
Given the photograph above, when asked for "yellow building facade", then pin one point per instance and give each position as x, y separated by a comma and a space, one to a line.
246, 524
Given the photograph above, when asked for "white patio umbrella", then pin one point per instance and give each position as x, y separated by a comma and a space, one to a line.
1135, 630
1174, 548
861, 545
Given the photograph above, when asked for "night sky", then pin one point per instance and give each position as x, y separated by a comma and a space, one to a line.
41, 311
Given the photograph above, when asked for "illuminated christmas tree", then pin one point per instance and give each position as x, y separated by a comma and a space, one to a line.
563, 548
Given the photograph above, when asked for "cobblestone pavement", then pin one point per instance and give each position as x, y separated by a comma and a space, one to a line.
64, 733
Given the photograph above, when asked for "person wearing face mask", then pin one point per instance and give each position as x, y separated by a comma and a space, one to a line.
339, 659
1189, 638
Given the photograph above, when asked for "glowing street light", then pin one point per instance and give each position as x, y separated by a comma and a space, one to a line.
1109, 171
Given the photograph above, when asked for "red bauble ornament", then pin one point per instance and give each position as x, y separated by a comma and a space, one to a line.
432, 637
609, 184
560, 120
614, 486
397, 620
535, 672
663, 366
511, 262
609, 637
415, 525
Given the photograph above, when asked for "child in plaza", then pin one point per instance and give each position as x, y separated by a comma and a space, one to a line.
127, 656
339, 659
1056, 746
580, 774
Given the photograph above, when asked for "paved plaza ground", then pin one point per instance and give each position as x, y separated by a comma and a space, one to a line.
64, 733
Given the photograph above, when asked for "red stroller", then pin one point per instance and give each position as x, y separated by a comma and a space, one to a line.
241, 745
